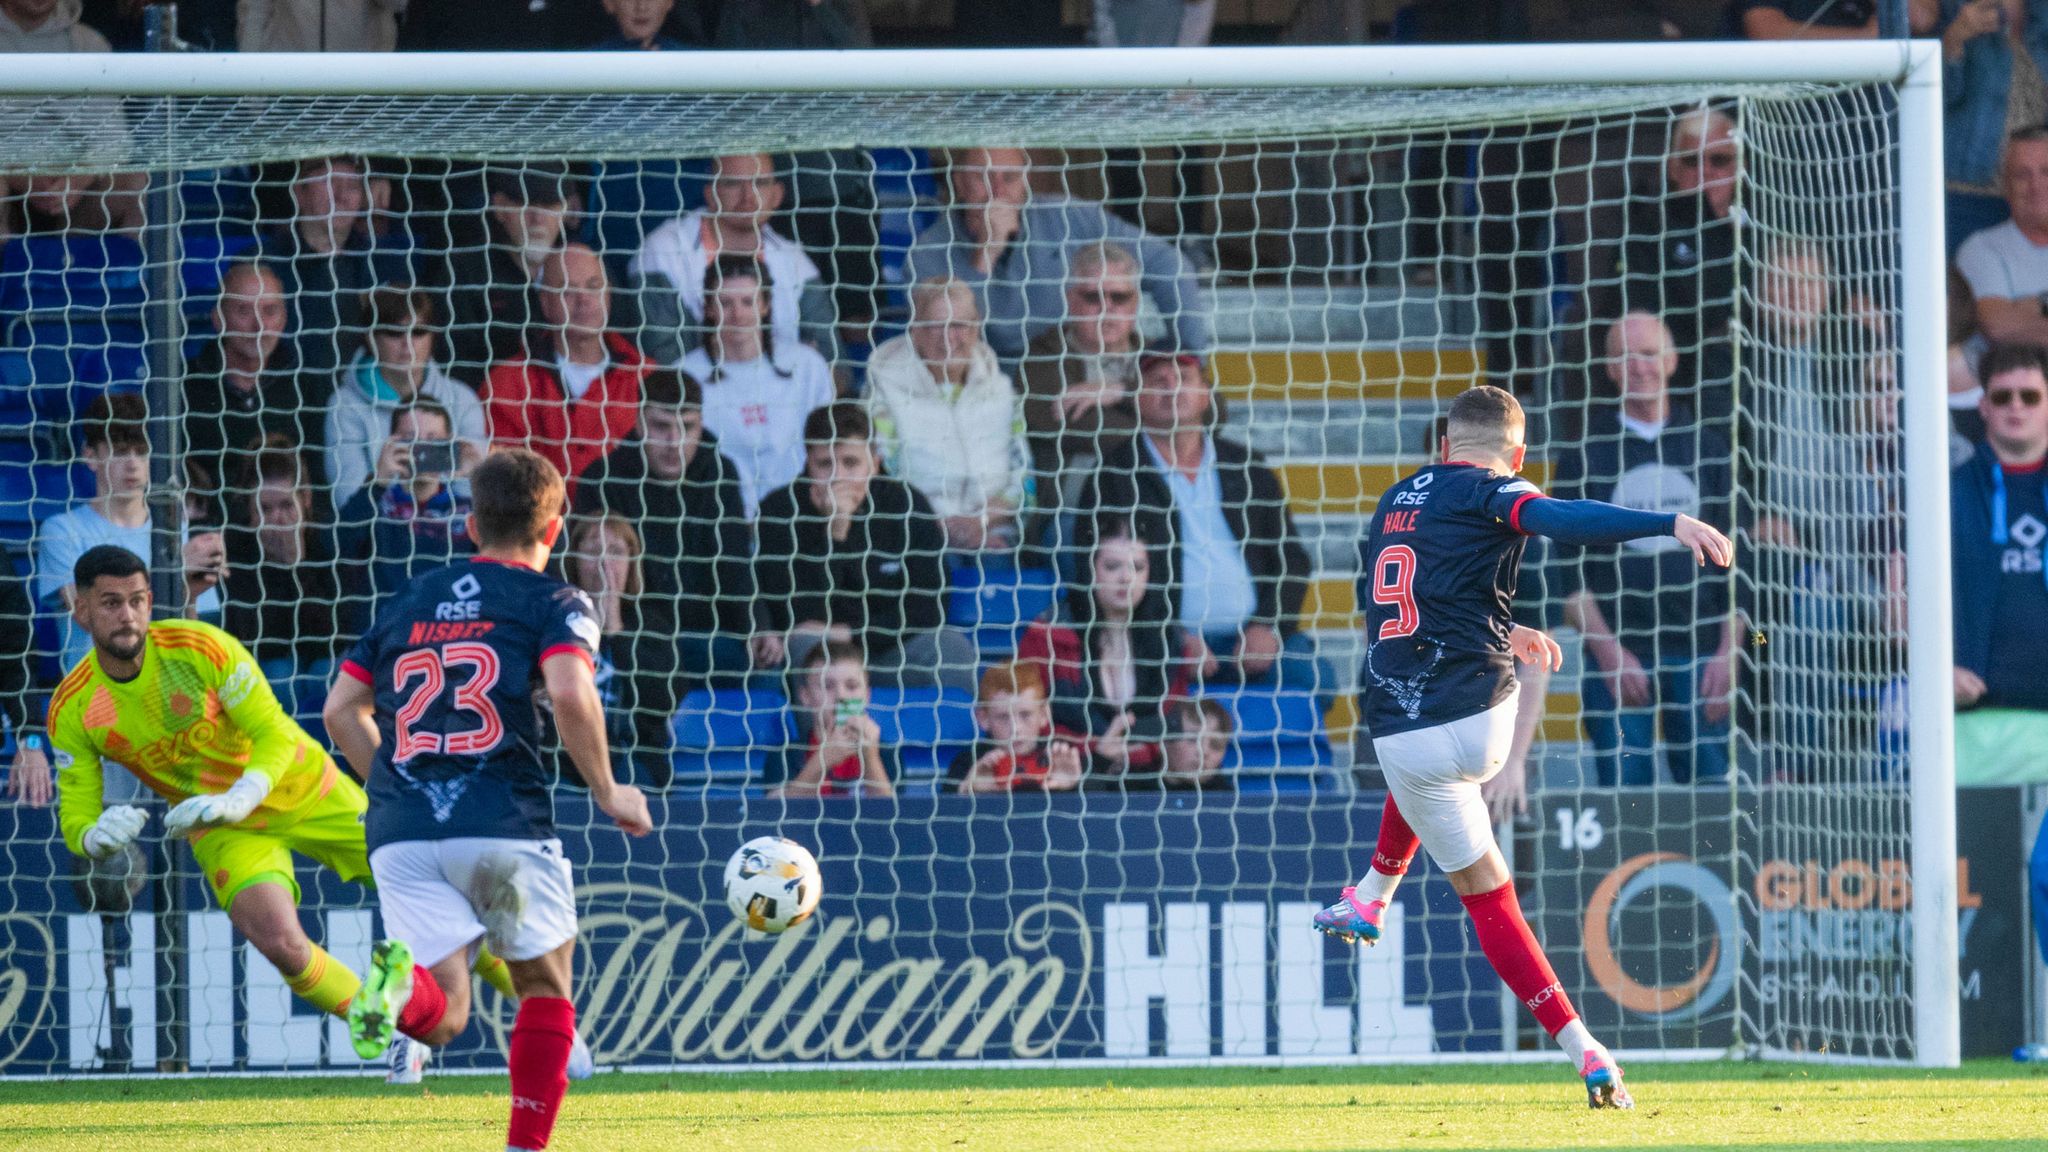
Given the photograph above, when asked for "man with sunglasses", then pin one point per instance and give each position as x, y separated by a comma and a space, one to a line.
1998, 518
1678, 256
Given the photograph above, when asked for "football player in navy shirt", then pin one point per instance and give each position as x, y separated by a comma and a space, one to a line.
1440, 689
435, 710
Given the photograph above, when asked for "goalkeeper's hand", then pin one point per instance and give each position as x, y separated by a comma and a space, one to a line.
230, 807
114, 831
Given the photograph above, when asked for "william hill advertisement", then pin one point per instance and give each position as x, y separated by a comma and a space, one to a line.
1666, 936
951, 929
1165, 927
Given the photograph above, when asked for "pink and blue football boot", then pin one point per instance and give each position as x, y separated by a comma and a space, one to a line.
1603, 1082
1351, 921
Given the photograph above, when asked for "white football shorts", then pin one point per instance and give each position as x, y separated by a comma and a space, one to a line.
1435, 774
438, 896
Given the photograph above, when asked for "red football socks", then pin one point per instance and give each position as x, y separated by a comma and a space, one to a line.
422, 1014
1397, 842
542, 1035
1512, 950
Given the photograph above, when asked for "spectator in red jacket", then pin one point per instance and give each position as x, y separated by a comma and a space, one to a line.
1115, 658
575, 393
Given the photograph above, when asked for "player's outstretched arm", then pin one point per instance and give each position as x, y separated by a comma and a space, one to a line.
1597, 522
579, 718
351, 718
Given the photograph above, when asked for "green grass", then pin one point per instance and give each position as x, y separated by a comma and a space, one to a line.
1986, 1105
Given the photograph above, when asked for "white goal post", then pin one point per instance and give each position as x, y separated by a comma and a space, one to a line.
206, 111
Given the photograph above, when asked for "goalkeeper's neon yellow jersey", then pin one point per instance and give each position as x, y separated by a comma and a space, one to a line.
197, 715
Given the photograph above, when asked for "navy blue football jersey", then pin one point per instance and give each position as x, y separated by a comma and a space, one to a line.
1440, 572
455, 658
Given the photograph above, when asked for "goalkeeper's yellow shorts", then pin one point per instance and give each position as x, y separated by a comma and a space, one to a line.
328, 829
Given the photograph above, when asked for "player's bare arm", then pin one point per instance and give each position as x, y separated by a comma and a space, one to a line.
579, 717
350, 716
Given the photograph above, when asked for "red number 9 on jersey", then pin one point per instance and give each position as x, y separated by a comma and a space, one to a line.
427, 664
1393, 582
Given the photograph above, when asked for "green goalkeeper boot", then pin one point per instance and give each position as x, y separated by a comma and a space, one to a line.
373, 1014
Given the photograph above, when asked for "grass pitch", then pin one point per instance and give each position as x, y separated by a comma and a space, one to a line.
1986, 1105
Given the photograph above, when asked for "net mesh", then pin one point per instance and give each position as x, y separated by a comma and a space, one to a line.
1715, 841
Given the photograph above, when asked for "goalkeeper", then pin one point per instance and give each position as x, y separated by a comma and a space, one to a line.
183, 706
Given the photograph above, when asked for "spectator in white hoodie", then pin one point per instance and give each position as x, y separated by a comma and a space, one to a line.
758, 386
394, 367
947, 420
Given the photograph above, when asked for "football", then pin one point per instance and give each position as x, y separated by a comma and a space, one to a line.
772, 884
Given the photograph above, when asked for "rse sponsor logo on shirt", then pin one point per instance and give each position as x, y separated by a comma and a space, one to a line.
466, 608
2027, 532
754, 415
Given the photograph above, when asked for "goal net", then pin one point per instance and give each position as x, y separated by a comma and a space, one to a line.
1183, 314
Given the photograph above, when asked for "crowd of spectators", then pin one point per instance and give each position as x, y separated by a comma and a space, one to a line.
755, 508
760, 499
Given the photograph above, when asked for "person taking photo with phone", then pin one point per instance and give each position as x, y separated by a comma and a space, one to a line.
410, 517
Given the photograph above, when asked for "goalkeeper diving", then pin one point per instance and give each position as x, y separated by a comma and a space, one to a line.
183, 706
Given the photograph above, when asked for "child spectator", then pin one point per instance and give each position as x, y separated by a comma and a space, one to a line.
1197, 739
411, 516
1013, 754
1114, 656
840, 751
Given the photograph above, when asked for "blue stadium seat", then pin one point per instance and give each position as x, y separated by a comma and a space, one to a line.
1287, 784
208, 251
927, 726
724, 719
95, 272
631, 198
723, 735
1279, 732
727, 768
32, 493
57, 369
904, 174
996, 604
217, 193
